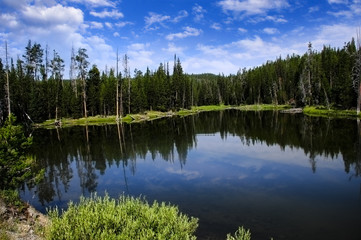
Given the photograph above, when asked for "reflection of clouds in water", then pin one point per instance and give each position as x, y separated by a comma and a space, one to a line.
271, 176
189, 175
249, 154
242, 176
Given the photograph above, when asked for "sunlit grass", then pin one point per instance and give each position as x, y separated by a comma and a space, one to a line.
322, 111
122, 218
151, 115
262, 107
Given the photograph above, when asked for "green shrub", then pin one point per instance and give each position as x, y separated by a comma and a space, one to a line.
240, 234
15, 165
124, 218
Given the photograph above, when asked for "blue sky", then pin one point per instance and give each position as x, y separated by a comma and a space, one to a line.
215, 36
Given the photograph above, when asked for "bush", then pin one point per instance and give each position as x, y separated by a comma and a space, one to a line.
240, 234
15, 166
124, 218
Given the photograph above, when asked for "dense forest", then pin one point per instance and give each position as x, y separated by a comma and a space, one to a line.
34, 88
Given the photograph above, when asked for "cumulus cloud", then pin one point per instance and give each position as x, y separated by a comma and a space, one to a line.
11, 20
107, 14
252, 7
334, 35
188, 32
55, 15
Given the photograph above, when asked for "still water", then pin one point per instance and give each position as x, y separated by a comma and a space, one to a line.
280, 175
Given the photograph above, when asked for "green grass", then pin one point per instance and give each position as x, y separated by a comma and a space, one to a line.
263, 107
322, 111
124, 218
151, 115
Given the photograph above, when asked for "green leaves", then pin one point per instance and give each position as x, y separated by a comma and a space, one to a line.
123, 218
240, 234
15, 165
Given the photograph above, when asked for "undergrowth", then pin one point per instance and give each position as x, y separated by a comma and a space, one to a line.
123, 218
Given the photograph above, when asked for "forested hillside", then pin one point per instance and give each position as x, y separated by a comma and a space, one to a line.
38, 91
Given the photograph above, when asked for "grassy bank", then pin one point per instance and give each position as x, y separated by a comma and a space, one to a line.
322, 111
139, 117
152, 115
123, 218
263, 107
319, 111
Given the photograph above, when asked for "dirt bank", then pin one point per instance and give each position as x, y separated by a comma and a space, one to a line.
25, 223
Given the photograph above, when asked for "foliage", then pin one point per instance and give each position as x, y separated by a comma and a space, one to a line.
240, 234
124, 218
314, 78
15, 165
11, 197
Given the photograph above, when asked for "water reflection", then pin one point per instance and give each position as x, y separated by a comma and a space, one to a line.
93, 148
236, 167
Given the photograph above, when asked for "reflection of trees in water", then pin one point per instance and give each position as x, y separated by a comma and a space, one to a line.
91, 149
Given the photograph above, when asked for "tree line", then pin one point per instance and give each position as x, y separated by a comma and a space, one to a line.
34, 88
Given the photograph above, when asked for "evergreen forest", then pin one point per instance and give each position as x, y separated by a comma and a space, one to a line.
34, 88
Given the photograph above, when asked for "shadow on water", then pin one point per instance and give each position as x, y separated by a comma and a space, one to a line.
125, 158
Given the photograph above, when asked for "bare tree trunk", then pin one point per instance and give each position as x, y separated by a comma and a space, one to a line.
84, 98
7, 80
358, 99
117, 97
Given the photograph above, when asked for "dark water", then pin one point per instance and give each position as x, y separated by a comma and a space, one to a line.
280, 175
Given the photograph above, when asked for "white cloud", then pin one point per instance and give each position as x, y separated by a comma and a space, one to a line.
123, 24
354, 10
212, 51
10, 20
270, 31
337, 1
216, 26
242, 30
95, 3
182, 14
203, 65
96, 25
188, 31
198, 12
107, 14
334, 35
313, 9
116, 34
56, 15
139, 55
275, 19
173, 49
252, 7
155, 18
108, 24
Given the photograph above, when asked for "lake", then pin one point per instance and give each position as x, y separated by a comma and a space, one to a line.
286, 176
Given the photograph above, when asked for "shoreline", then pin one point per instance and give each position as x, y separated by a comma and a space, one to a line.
313, 111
